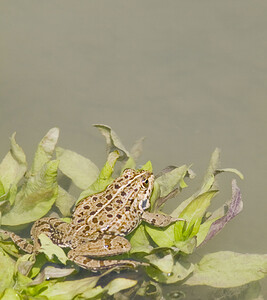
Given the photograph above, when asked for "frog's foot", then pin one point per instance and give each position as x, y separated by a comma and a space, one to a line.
22, 243
87, 255
98, 264
158, 220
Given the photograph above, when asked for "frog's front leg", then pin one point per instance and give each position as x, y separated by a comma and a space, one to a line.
158, 220
86, 255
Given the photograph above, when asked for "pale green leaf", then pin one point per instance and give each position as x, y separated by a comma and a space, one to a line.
139, 241
67, 290
204, 230
164, 264
92, 293
64, 202
227, 269
50, 249
2, 189
169, 180
10, 294
7, 269
119, 284
25, 263
52, 272
137, 149
35, 198
82, 171
13, 166
208, 182
104, 178
163, 237
187, 246
181, 269
45, 150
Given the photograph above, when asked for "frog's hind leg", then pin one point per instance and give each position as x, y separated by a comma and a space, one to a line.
54, 228
22, 243
87, 255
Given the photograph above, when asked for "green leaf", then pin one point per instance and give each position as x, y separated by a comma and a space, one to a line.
165, 183
168, 181
204, 230
7, 269
139, 241
104, 178
188, 246
45, 150
119, 284
82, 171
92, 293
147, 166
10, 294
193, 214
130, 164
164, 264
25, 263
35, 198
2, 189
50, 249
181, 269
227, 269
13, 166
163, 237
9, 247
67, 290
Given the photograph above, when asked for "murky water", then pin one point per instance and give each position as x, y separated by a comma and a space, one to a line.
188, 75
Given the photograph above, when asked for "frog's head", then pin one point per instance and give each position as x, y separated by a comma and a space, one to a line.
142, 184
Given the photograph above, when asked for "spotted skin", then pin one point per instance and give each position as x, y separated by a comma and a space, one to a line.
100, 222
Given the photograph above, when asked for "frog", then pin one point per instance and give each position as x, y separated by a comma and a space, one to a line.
100, 223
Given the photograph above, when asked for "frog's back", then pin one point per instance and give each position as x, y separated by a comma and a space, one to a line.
115, 210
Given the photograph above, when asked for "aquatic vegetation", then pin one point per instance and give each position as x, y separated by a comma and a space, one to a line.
27, 194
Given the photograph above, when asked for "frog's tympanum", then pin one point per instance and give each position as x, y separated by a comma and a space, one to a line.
100, 222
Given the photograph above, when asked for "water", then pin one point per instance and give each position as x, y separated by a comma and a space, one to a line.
188, 75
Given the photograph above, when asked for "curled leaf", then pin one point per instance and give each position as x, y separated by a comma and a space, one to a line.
52, 272
235, 207
45, 150
13, 166
113, 141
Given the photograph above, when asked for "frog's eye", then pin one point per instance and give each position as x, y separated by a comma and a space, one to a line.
145, 183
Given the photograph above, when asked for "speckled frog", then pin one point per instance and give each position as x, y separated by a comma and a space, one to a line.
100, 222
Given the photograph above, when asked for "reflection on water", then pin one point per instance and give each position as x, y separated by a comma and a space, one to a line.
188, 76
